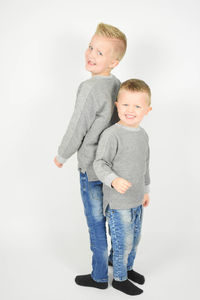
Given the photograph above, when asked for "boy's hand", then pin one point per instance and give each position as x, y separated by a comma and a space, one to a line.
121, 185
57, 163
146, 200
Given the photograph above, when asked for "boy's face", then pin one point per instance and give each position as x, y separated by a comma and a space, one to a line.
132, 107
98, 57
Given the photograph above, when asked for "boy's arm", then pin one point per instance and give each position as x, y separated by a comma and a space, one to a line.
106, 151
146, 199
83, 116
147, 176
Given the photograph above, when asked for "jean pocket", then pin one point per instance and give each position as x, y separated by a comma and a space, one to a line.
96, 183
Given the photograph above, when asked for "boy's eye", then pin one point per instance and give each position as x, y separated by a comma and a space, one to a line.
100, 53
90, 47
125, 104
137, 106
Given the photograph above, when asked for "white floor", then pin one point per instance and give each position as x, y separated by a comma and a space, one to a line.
45, 268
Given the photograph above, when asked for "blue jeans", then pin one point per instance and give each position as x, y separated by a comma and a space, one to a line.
125, 230
92, 196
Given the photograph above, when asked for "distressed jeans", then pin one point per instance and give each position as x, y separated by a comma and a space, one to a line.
92, 197
125, 230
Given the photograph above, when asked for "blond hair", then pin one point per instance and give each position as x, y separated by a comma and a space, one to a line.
118, 37
136, 85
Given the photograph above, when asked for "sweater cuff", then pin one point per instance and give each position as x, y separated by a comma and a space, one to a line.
61, 159
147, 189
109, 179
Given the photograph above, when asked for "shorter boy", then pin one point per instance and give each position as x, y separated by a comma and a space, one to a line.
122, 164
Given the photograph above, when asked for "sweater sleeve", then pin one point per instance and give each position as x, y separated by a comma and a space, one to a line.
83, 117
147, 176
105, 154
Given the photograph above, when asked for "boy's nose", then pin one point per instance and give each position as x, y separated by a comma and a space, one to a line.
91, 54
131, 110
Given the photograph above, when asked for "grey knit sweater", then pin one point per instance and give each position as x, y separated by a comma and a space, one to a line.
94, 111
123, 152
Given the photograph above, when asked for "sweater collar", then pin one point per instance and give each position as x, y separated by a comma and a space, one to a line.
128, 128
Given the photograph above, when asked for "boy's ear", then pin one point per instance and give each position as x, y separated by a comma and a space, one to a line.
149, 109
114, 63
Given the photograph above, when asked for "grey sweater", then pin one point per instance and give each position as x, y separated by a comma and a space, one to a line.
123, 152
94, 111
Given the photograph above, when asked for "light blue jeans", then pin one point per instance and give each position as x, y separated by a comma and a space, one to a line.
92, 197
125, 230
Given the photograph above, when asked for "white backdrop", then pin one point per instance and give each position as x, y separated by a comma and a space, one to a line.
43, 234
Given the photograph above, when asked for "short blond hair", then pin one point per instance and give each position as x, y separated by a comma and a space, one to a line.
136, 85
118, 36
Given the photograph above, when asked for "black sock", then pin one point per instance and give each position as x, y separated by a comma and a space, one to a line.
86, 280
136, 277
126, 287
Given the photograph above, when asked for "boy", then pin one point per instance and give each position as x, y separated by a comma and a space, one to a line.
94, 112
122, 164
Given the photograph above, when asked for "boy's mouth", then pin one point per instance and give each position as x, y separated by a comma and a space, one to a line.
131, 117
91, 63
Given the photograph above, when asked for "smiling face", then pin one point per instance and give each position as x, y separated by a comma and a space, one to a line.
98, 57
132, 107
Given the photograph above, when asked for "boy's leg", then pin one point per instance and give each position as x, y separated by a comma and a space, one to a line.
137, 235
92, 196
136, 277
121, 230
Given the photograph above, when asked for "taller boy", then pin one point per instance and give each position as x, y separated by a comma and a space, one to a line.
94, 112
